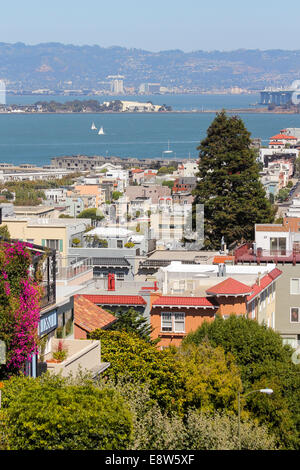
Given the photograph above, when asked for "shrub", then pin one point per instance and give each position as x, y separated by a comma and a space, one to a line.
55, 416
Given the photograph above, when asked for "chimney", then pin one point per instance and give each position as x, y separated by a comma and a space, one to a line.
258, 279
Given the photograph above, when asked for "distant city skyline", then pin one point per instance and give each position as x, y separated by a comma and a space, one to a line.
153, 26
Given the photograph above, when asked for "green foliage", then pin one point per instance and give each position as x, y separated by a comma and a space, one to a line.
49, 414
4, 232
264, 362
164, 170
8, 195
211, 377
170, 184
93, 214
116, 195
132, 321
65, 216
155, 430
290, 184
129, 245
220, 432
129, 354
229, 186
76, 241
283, 194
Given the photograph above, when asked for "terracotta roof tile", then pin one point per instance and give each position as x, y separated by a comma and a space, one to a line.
183, 301
222, 259
116, 299
264, 282
270, 228
229, 287
89, 316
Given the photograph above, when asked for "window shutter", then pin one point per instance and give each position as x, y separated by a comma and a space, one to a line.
60, 245
43, 242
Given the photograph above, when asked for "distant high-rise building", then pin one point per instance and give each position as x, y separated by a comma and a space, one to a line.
117, 84
2, 92
148, 88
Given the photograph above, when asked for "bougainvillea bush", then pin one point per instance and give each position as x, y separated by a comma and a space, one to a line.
19, 306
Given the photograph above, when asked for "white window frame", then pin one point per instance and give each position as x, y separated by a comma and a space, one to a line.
291, 308
172, 322
169, 322
294, 279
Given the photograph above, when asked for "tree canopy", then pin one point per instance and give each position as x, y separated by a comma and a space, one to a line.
264, 362
49, 413
229, 186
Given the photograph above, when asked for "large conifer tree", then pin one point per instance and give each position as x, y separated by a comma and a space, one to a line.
229, 186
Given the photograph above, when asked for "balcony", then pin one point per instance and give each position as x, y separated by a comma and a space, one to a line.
81, 355
246, 254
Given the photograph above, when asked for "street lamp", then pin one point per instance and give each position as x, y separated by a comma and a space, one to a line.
267, 391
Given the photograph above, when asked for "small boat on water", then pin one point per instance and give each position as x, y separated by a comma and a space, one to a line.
101, 131
93, 127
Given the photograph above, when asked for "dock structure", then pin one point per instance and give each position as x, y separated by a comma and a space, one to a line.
281, 96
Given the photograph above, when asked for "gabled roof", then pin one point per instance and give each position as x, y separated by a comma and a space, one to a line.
115, 299
89, 316
264, 282
229, 287
168, 300
283, 136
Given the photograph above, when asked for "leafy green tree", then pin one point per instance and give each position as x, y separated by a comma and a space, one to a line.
49, 414
155, 430
229, 186
4, 232
169, 184
132, 321
283, 194
93, 214
264, 362
116, 195
212, 378
143, 362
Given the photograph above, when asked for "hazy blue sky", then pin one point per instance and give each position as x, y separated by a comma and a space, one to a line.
154, 24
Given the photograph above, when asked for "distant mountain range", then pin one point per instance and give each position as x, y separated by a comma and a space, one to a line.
58, 66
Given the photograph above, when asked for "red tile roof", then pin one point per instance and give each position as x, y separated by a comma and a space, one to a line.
183, 301
89, 316
283, 136
264, 282
229, 287
222, 259
116, 299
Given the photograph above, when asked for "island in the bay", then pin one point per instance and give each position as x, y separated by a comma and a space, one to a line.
85, 106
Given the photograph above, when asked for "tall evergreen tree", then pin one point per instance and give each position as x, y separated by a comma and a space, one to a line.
229, 186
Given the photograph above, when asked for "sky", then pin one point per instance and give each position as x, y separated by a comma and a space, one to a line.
154, 25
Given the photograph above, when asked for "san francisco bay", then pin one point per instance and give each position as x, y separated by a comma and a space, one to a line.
36, 138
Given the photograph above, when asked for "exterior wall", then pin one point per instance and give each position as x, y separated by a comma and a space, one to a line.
194, 317
79, 333
84, 354
285, 301
152, 191
23, 230
229, 305
262, 239
91, 190
128, 253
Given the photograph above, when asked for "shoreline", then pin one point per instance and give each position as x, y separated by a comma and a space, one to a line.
205, 111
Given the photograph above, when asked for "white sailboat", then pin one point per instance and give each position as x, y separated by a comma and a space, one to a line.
101, 131
93, 127
168, 151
